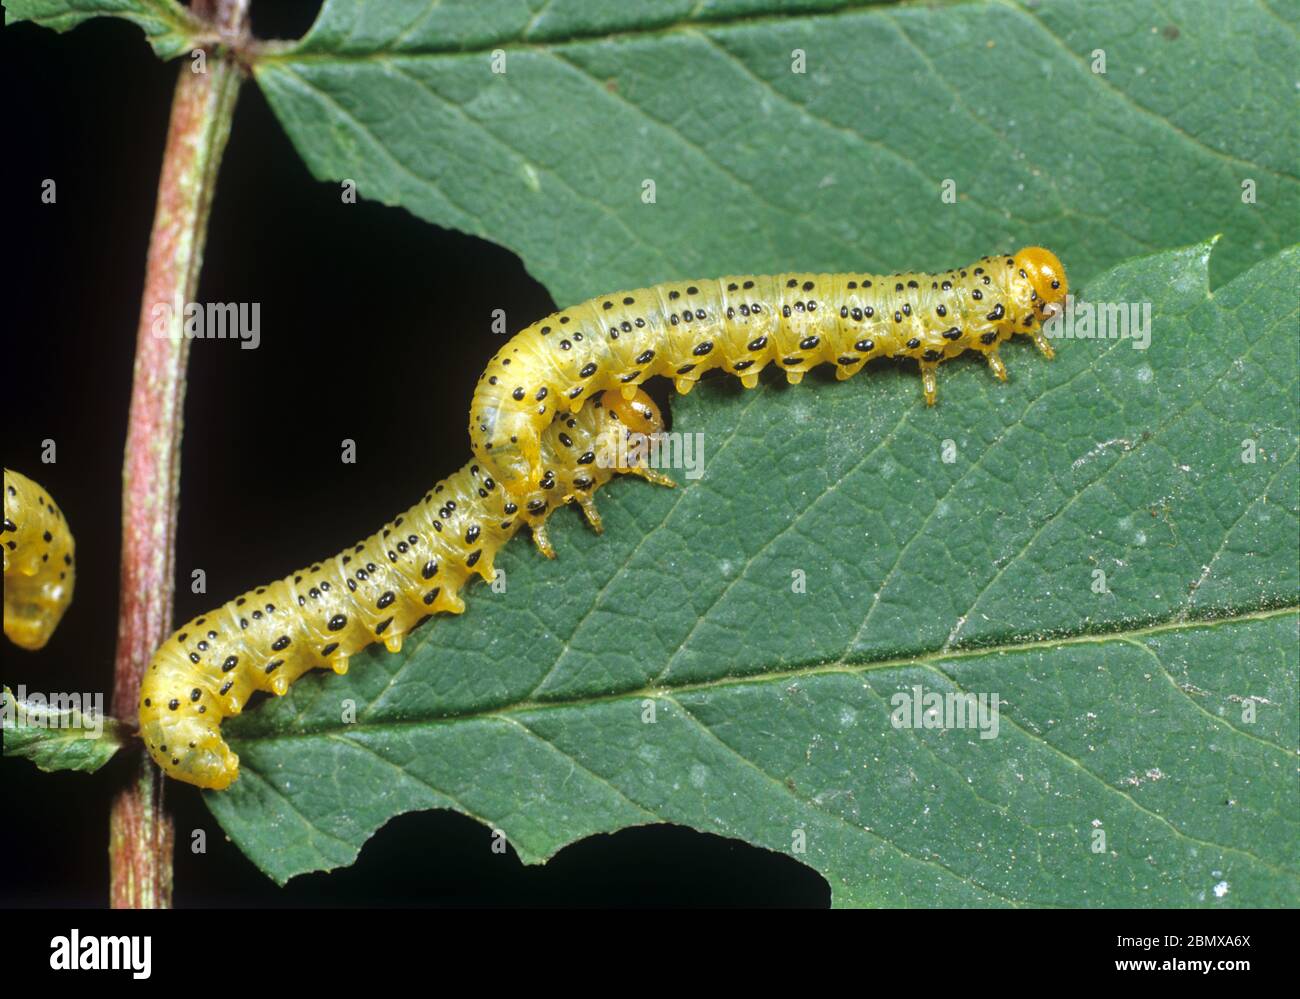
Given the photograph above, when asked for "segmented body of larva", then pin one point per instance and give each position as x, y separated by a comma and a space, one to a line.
683, 329
39, 561
377, 590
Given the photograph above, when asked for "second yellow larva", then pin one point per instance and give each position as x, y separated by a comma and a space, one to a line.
741, 324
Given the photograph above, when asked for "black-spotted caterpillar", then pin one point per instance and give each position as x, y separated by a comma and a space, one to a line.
377, 590
741, 324
39, 562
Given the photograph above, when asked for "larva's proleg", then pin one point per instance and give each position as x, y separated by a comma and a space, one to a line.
377, 590
39, 560
683, 329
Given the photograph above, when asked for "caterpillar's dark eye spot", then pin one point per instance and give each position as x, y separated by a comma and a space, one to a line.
337, 622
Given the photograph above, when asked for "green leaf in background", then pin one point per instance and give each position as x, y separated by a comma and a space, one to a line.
757, 168
169, 26
673, 671
57, 737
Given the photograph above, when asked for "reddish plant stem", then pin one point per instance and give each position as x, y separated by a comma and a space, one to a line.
140, 830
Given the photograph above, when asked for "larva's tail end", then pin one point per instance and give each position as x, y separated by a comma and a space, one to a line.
28, 633
188, 751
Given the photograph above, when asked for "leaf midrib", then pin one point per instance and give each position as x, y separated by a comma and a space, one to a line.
841, 665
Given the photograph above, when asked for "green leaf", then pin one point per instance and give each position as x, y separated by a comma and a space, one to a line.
760, 169
55, 737
169, 26
1159, 709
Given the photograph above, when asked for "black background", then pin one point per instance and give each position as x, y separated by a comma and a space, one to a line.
374, 327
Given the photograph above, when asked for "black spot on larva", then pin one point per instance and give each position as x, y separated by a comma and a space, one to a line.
932, 355
274, 665
912, 284
742, 365
977, 294
194, 658
865, 345
536, 505
432, 595
809, 342
518, 393
758, 344
173, 704
382, 626
48, 537
185, 634
230, 663
587, 370
195, 694
913, 343
703, 348
386, 598
329, 649
845, 361
898, 287
989, 337
645, 357
337, 622
472, 535
997, 313
692, 290
280, 644
807, 286
686, 369
1056, 283
430, 569
586, 458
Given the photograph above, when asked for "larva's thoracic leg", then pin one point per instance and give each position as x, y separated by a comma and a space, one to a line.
929, 381
996, 366
1040, 341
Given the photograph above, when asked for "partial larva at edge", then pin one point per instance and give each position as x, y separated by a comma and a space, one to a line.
377, 590
741, 324
39, 560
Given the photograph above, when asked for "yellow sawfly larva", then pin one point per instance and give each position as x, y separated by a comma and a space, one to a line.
740, 324
39, 561
376, 590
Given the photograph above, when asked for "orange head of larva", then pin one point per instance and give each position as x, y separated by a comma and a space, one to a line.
1046, 276
639, 414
